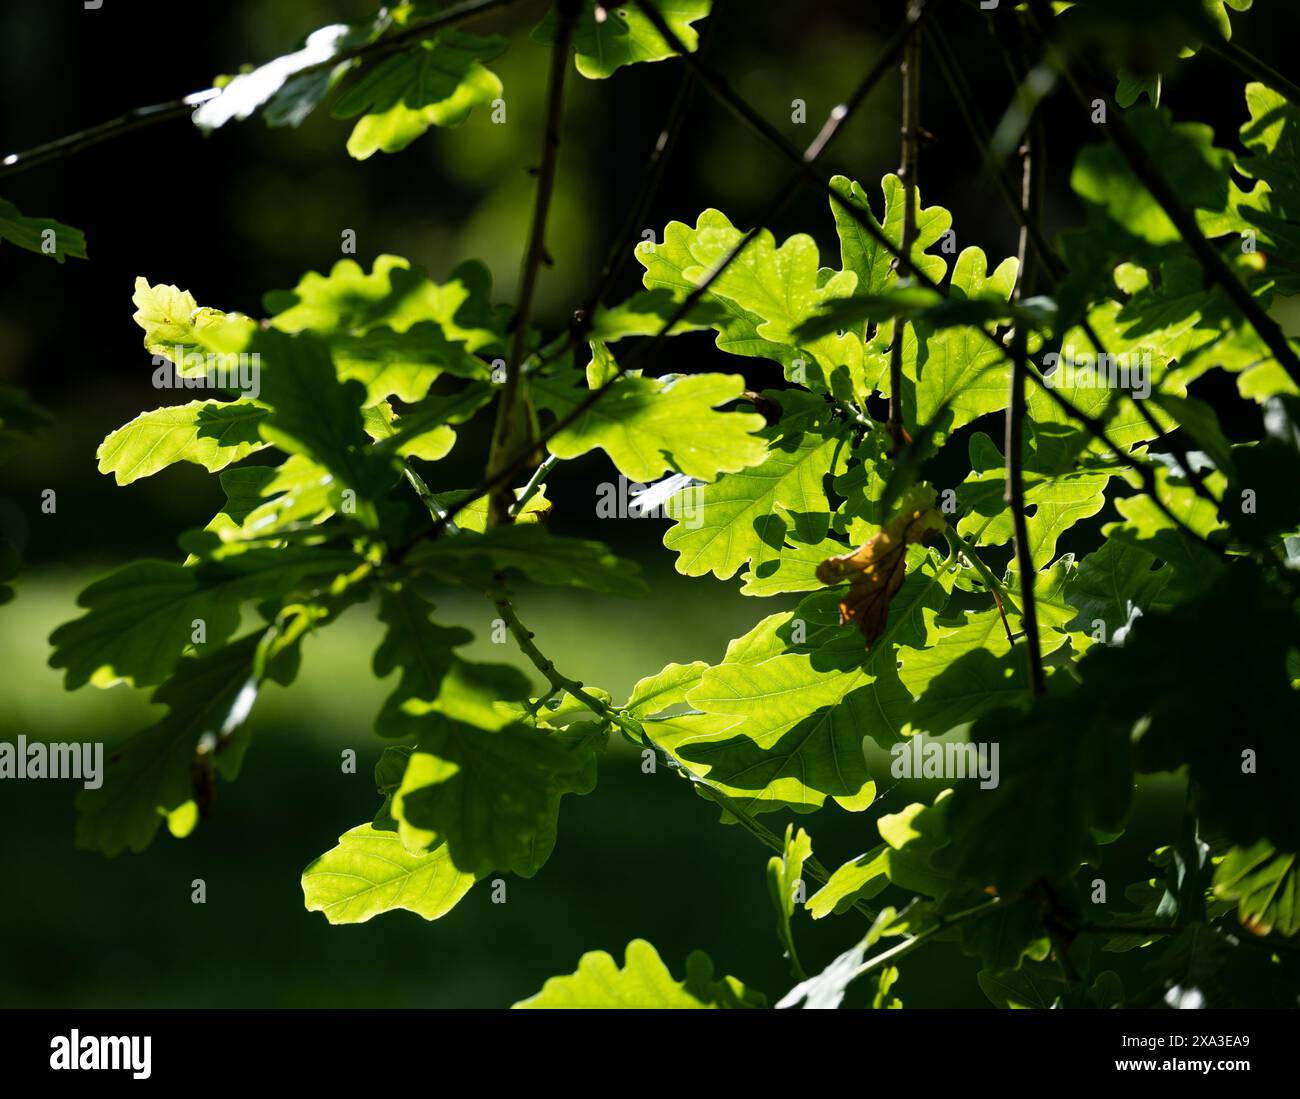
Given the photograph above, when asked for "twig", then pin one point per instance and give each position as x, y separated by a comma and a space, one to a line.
1031, 204
944, 923
911, 72
651, 177
958, 545
436, 510
1266, 942
134, 119
534, 483
1251, 65
558, 682
982, 139
511, 410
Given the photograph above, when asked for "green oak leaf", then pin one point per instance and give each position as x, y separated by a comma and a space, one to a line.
370, 873
956, 372
382, 424
666, 263
1225, 712
44, 236
435, 82
262, 501
779, 286
1111, 584
421, 648
488, 794
859, 879
422, 429
1265, 884
287, 93
403, 364
642, 982
760, 299
394, 330
1055, 438
1185, 152
665, 689
174, 324
646, 313
141, 618
783, 725
607, 39
1145, 527
913, 837
746, 516
1273, 140
394, 295
315, 414
791, 568
965, 670
865, 256
1030, 986
649, 426
303, 92
1064, 770
212, 434
1053, 504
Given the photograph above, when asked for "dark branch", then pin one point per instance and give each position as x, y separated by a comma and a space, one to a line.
911, 73
512, 437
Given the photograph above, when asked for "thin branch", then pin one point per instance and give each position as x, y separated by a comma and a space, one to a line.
897, 41
135, 119
911, 72
944, 923
652, 176
514, 414
1266, 942
558, 682
1031, 205
436, 510
534, 483
982, 139
1015, 499
1253, 66
178, 108
959, 545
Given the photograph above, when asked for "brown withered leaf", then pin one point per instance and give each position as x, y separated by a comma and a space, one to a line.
876, 569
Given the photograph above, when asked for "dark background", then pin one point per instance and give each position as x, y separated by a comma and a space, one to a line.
248, 210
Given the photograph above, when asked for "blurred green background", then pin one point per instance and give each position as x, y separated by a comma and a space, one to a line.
249, 210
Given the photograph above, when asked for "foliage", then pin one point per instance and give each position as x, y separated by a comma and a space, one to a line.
1160, 585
